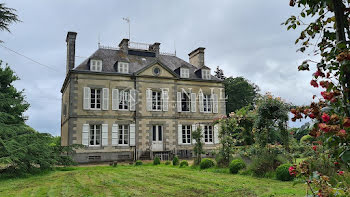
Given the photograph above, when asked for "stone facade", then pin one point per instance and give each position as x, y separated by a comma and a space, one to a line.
74, 116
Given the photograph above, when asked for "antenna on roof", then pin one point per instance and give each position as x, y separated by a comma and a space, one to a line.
128, 21
174, 47
99, 40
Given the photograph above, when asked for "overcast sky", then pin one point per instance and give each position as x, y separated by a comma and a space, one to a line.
244, 38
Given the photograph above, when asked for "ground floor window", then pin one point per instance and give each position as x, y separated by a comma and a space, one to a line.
123, 131
186, 134
157, 133
208, 134
95, 135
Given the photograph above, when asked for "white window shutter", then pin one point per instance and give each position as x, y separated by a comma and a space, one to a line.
165, 96
216, 134
201, 106
179, 134
85, 135
87, 96
132, 135
104, 134
193, 102
115, 99
178, 102
115, 135
132, 98
215, 104
105, 96
149, 99
194, 128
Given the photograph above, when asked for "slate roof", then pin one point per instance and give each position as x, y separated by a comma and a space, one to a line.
110, 57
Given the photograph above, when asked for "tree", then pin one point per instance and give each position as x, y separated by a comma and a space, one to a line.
219, 73
240, 93
7, 16
198, 146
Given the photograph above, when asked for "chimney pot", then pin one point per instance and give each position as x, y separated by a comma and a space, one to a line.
124, 45
155, 48
196, 57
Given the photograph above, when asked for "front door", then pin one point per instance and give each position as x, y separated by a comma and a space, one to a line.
157, 138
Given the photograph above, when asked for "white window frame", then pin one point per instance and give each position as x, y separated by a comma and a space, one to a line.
208, 134
123, 67
206, 74
96, 98
93, 133
184, 73
123, 100
183, 95
186, 132
157, 103
207, 103
123, 135
157, 133
96, 65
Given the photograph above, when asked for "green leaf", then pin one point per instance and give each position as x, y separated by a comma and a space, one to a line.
345, 156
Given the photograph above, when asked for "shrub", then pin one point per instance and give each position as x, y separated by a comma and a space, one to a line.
183, 164
167, 163
236, 165
266, 162
156, 161
114, 164
206, 163
138, 163
307, 139
282, 172
175, 161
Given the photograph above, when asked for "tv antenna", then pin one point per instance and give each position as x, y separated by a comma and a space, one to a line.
128, 21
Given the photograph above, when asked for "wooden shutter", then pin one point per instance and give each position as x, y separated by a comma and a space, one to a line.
178, 102
165, 97
215, 103
132, 98
132, 135
105, 96
85, 135
104, 134
115, 135
193, 102
216, 134
194, 128
87, 98
201, 106
149, 99
115, 99
179, 134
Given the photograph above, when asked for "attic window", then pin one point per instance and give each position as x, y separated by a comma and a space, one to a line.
96, 65
205, 74
184, 73
123, 67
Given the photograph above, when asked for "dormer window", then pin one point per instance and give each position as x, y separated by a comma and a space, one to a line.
123, 67
205, 74
184, 73
96, 65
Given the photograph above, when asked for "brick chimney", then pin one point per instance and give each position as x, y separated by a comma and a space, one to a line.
197, 57
154, 48
70, 40
124, 45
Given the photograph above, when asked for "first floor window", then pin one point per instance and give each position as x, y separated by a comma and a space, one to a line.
186, 134
95, 135
156, 101
123, 100
208, 134
207, 103
95, 99
123, 134
185, 101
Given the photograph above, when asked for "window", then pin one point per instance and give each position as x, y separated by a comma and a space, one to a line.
123, 134
205, 74
96, 65
156, 71
156, 101
123, 100
185, 101
184, 73
207, 103
157, 133
95, 99
186, 134
95, 135
123, 67
208, 134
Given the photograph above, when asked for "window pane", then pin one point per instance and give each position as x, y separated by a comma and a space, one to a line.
160, 137
154, 133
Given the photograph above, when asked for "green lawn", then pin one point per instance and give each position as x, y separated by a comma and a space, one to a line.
145, 180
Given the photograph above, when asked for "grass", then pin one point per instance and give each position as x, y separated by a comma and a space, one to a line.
146, 180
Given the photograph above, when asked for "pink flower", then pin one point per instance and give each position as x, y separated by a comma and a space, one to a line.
314, 83
314, 147
325, 117
292, 171
340, 172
